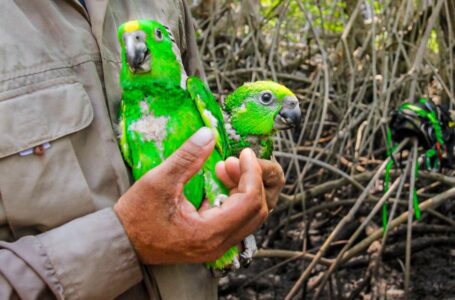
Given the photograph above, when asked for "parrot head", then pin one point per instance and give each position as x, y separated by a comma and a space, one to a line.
261, 108
149, 52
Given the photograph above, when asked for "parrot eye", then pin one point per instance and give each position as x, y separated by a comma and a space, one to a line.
266, 98
158, 34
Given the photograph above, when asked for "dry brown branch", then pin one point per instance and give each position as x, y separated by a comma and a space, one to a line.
430, 203
289, 254
350, 65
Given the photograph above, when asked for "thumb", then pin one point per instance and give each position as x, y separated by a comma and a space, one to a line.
189, 158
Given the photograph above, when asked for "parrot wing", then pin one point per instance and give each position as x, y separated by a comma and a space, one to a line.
210, 111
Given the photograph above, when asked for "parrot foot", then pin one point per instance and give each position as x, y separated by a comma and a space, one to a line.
236, 263
219, 200
246, 257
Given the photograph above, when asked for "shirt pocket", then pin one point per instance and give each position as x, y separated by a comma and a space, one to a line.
43, 191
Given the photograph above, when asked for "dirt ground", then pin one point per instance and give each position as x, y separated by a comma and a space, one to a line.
433, 274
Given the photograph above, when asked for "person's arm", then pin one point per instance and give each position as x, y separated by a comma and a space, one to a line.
92, 257
88, 258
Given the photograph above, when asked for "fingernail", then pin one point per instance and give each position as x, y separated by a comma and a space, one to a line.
220, 164
202, 137
232, 158
247, 154
250, 152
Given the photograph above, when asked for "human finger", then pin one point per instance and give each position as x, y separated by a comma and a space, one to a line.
233, 168
243, 211
222, 174
273, 179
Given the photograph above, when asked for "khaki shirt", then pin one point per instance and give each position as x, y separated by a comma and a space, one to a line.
59, 87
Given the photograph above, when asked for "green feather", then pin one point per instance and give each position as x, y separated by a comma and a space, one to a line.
165, 63
158, 115
225, 260
252, 123
210, 111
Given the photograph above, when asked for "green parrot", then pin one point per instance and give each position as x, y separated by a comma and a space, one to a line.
161, 108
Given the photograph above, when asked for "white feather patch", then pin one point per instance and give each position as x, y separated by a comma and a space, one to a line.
144, 107
152, 129
229, 129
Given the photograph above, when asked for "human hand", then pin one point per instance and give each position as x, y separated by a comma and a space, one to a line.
272, 177
165, 228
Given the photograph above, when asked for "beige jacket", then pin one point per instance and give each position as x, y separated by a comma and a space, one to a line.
59, 87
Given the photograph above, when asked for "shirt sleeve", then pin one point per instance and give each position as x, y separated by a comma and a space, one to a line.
88, 258
190, 57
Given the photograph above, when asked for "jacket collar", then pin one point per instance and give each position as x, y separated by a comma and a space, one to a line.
97, 12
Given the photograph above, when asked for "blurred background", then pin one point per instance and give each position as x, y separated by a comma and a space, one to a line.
351, 64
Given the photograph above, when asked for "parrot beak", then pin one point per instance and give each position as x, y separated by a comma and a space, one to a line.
289, 115
137, 53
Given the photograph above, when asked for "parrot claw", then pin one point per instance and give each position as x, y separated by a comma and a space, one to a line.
219, 200
236, 263
246, 257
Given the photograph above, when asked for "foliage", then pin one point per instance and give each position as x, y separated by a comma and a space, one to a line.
328, 15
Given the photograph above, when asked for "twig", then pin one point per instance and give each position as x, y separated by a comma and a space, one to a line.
322, 164
288, 254
339, 226
424, 206
407, 275
357, 233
